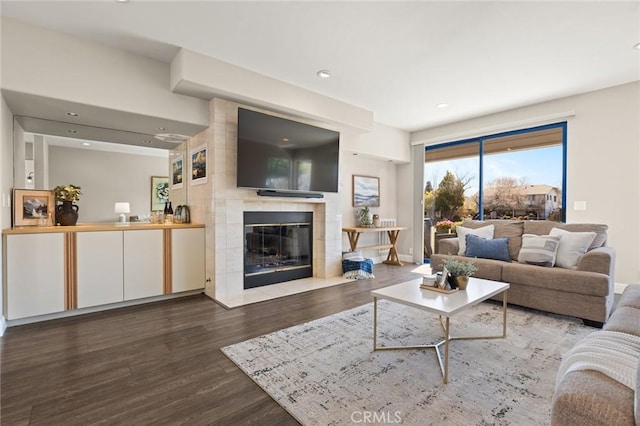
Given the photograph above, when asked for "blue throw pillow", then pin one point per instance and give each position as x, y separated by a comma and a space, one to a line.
497, 248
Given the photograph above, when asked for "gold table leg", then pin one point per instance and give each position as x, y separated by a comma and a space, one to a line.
446, 325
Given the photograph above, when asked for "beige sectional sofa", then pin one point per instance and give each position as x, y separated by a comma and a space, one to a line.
589, 397
585, 291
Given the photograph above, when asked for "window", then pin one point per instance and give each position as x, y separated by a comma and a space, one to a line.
518, 174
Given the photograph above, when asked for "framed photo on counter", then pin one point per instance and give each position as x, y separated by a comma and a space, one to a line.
31, 205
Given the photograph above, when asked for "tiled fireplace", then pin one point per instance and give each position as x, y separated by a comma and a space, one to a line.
225, 220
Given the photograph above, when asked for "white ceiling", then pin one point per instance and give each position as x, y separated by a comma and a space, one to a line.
397, 59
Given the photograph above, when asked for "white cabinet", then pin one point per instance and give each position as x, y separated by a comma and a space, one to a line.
187, 255
99, 268
35, 274
48, 271
143, 264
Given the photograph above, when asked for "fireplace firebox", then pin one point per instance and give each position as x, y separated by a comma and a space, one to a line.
278, 247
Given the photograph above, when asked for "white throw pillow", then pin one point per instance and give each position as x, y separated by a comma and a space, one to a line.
572, 246
484, 232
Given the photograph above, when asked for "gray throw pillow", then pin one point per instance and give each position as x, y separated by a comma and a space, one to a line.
539, 250
572, 246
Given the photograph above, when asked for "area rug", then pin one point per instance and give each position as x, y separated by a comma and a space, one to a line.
325, 373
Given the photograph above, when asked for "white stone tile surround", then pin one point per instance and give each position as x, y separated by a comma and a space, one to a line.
225, 218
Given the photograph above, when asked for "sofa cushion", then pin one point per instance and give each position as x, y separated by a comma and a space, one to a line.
484, 232
630, 297
544, 227
590, 398
636, 396
624, 319
539, 250
600, 230
572, 246
488, 269
567, 280
497, 249
512, 229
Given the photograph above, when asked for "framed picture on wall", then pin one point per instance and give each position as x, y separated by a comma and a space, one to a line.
199, 165
31, 205
366, 191
176, 172
159, 192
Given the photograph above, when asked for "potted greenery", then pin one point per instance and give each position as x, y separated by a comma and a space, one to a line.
460, 270
67, 212
364, 217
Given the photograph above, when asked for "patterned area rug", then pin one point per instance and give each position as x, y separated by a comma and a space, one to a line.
325, 372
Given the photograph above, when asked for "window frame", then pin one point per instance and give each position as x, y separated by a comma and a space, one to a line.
480, 140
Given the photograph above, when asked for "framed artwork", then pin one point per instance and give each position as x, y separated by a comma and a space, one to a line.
159, 192
29, 205
366, 191
176, 172
199, 165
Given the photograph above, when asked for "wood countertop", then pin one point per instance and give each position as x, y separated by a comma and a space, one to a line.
93, 227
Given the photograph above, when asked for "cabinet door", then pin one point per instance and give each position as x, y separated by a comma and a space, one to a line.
143, 264
187, 254
35, 274
99, 262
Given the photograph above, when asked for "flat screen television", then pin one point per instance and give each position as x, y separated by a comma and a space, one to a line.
279, 154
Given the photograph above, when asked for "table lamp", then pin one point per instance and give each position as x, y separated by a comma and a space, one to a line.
122, 208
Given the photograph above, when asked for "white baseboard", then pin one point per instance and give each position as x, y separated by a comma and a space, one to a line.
99, 308
3, 325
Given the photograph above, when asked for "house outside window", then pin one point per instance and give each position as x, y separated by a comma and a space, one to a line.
519, 174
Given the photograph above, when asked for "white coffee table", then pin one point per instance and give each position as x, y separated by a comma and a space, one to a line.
444, 305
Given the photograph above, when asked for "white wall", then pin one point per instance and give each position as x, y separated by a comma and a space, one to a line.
383, 169
382, 143
6, 182
198, 75
59, 66
603, 159
101, 187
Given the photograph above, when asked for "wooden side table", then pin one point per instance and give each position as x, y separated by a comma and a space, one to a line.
392, 231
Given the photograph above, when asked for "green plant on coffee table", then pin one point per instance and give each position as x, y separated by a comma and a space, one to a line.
459, 268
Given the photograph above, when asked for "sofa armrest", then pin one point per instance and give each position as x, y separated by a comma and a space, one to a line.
601, 260
447, 246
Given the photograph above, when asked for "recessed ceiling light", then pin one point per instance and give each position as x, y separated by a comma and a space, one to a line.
324, 73
442, 105
72, 114
162, 129
636, 46
72, 131
86, 143
285, 139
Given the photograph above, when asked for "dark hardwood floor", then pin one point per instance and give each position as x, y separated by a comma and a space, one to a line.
158, 363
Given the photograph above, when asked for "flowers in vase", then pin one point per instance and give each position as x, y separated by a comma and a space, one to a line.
67, 192
445, 225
